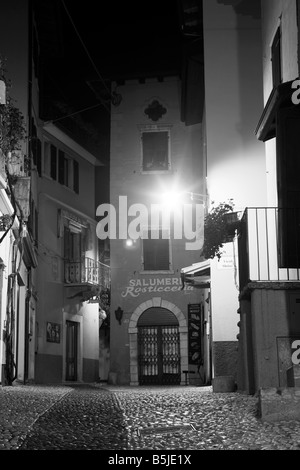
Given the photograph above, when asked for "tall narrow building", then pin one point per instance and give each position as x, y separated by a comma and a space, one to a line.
159, 327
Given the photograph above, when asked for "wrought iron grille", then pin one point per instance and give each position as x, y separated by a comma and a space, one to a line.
88, 271
159, 355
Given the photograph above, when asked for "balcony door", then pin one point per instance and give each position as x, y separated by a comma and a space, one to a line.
73, 249
72, 245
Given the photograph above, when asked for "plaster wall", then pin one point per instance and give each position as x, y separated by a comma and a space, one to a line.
236, 164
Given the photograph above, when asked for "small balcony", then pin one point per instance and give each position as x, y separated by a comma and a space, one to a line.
87, 271
269, 245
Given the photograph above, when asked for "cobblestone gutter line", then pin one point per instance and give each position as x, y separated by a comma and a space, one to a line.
130, 437
21, 406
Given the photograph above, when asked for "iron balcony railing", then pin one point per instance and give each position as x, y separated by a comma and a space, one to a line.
87, 271
269, 245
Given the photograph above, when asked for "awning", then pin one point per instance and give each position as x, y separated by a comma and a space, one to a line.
197, 275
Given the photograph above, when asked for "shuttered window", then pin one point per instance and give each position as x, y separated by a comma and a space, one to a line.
76, 176
156, 253
53, 162
155, 148
61, 167
72, 245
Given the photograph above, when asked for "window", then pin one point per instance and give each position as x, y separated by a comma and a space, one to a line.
76, 176
61, 167
156, 253
276, 59
155, 150
73, 247
53, 162
33, 220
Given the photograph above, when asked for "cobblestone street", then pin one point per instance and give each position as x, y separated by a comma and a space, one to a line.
100, 417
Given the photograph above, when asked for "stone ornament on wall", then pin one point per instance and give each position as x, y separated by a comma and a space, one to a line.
155, 110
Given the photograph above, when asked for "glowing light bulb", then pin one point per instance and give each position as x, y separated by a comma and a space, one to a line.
171, 199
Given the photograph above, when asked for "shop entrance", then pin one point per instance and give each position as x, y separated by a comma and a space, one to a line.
158, 348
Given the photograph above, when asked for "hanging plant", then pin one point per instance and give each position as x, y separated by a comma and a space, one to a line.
12, 125
220, 226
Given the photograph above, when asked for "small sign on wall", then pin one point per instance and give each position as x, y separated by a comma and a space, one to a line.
53, 332
226, 262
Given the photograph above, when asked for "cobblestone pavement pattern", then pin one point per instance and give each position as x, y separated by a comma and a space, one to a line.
97, 417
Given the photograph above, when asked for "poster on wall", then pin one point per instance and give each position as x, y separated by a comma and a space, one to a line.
53, 332
195, 325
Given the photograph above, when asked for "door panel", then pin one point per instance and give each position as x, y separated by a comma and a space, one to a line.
71, 350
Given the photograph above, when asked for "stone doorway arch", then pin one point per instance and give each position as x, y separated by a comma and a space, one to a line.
133, 336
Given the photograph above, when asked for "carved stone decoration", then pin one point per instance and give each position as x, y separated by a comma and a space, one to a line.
155, 111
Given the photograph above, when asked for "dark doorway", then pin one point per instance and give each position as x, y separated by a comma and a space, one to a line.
158, 348
72, 349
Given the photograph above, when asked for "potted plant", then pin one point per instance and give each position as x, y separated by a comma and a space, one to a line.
220, 226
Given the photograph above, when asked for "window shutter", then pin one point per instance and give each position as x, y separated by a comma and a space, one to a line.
61, 167
76, 176
39, 157
67, 244
53, 163
156, 255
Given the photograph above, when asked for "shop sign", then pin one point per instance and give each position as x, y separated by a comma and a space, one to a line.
136, 287
195, 335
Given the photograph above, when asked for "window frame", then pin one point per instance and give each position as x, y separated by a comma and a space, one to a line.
61, 167
166, 232
155, 129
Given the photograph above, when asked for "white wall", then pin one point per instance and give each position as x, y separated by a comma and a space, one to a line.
224, 295
235, 159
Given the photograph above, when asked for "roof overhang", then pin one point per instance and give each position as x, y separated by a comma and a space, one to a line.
197, 275
280, 97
